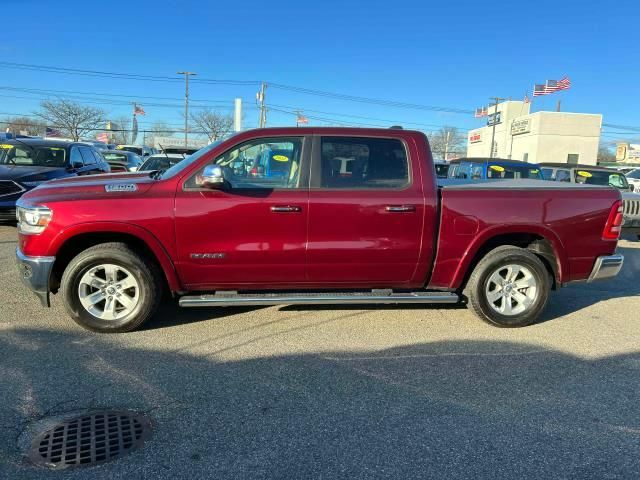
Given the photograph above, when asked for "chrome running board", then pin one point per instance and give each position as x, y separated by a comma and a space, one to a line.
227, 299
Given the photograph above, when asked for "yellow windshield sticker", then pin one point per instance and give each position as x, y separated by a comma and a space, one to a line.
534, 170
497, 168
6, 146
280, 158
582, 173
55, 148
119, 147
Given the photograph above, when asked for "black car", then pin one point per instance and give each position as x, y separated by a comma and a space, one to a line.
26, 163
122, 160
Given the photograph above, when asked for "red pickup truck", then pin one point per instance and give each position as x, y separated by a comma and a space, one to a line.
311, 216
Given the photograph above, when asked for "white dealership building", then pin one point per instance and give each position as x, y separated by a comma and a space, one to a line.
537, 137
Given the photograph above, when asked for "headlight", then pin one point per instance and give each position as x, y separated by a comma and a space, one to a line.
33, 220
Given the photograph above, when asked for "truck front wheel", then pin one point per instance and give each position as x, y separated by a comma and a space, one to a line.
109, 288
509, 287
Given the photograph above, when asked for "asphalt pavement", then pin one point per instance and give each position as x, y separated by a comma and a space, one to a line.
329, 393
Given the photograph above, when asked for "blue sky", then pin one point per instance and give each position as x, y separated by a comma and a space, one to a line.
451, 54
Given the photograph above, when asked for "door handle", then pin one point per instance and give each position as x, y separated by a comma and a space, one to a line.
286, 209
400, 208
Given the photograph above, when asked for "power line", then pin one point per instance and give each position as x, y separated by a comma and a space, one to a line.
308, 91
375, 101
75, 92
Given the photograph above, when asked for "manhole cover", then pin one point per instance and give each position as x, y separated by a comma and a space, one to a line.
90, 439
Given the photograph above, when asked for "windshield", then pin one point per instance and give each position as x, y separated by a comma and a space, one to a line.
137, 150
602, 177
635, 174
513, 171
178, 167
35, 156
114, 156
158, 163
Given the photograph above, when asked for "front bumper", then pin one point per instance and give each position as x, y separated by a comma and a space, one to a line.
35, 273
606, 266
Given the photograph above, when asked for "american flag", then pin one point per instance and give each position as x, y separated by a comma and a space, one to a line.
53, 132
481, 112
103, 137
552, 86
138, 110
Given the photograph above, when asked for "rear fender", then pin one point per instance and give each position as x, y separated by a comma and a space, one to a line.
562, 264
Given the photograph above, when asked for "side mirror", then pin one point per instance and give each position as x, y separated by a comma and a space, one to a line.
211, 177
76, 165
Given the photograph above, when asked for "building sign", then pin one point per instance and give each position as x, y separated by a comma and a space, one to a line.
521, 126
475, 137
633, 155
621, 152
493, 119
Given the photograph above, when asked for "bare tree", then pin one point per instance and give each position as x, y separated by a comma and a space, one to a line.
606, 155
447, 139
71, 118
23, 126
215, 125
159, 129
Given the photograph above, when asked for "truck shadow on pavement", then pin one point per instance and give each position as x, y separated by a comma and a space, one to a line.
451, 409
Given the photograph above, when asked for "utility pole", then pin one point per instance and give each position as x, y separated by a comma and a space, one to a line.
260, 97
237, 115
497, 100
186, 104
446, 145
558, 105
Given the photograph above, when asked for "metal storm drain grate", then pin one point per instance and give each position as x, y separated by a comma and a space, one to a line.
90, 439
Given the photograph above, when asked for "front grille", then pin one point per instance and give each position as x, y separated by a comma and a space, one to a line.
8, 187
632, 207
8, 215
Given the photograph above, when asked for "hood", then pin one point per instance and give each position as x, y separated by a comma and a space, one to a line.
30, 173
91, 186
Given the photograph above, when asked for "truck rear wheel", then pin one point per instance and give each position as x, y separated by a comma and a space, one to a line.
509, 287
109, 288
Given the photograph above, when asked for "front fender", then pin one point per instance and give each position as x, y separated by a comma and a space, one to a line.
149, 239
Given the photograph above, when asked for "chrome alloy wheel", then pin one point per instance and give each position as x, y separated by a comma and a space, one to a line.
511, 290
109, 292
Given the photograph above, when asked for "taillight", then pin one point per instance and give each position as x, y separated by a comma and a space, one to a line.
614, 223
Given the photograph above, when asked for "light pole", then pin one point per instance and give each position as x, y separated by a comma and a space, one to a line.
186, 104
497, 100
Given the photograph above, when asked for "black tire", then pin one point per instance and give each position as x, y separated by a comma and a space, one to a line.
476, 290
144, 270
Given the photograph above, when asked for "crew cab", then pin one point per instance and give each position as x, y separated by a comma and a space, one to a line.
213, 235
26, 163
493, 168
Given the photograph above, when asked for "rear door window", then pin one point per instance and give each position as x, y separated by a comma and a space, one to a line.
363, 163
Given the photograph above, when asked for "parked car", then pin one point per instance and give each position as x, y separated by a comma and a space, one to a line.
26, 163
141, 150
633, 177
160, 161
596, 175
386, 234
493, 168
122, 160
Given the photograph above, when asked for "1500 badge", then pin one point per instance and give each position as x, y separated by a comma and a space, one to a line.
121, 187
